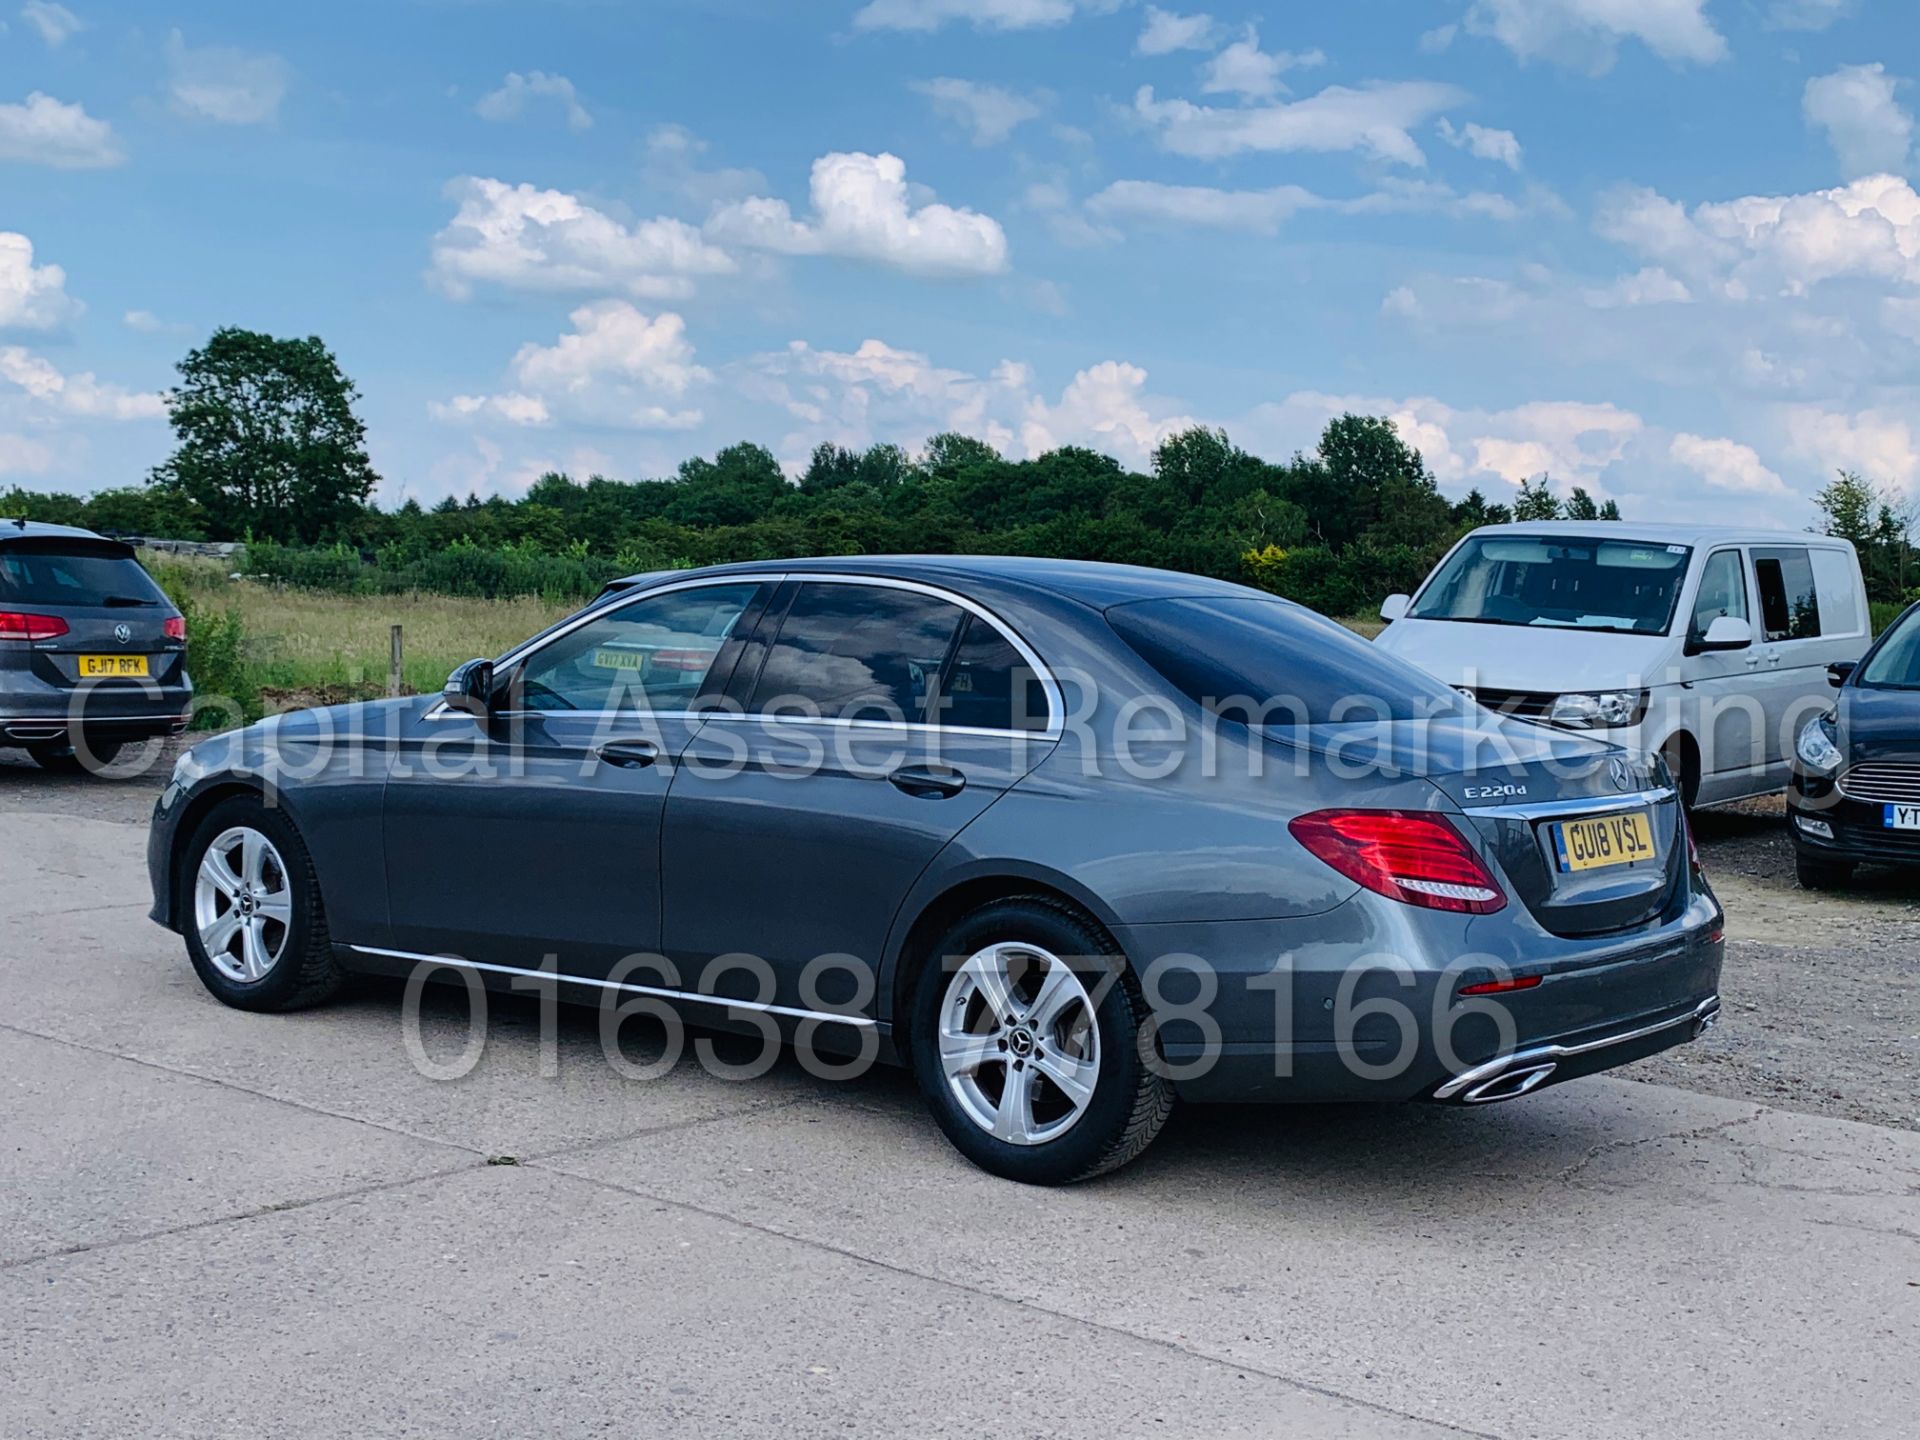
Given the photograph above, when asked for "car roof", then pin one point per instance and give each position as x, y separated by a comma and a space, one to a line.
1696, 535
39, 530
1090, 582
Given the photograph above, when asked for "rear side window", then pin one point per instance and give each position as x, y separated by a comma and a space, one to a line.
1789, 603
1267, 662
68, 572
1838, 590
857, 652
990, 685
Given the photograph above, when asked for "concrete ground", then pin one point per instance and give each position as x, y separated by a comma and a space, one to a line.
220, 1224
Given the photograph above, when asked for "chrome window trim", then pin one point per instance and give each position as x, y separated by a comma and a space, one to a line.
1551, 809
658, 992
1049, 686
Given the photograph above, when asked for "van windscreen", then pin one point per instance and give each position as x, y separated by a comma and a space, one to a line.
1626, 587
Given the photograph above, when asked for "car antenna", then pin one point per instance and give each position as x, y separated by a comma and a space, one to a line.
21, 523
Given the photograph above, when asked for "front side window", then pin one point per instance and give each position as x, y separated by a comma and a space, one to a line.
1789, 603
1723, 592
654, 654
857, 652
1895, 662
1625, 586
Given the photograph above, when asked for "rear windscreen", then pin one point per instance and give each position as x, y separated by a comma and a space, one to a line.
73, 572
1269, 663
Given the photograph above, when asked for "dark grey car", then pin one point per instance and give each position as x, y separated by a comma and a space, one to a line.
1070, 839
92, 655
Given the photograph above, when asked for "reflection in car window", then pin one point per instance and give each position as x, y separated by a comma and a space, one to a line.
654, 654
1565, 583
1896, 664
857, 652
1789, 605
1723, 592
990, 685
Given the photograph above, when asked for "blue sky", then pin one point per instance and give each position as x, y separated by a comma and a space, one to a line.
1667, 249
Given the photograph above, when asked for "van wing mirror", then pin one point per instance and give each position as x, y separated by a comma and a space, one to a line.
1727, 632
1395, 607
469, 689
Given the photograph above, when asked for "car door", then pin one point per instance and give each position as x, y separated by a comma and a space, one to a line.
1788, 646
1728, 718
536, 832
875, 723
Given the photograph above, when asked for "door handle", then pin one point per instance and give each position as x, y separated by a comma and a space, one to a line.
927, 782
629, 754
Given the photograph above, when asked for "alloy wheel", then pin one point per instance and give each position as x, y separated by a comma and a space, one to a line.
1018, 1043
243, 904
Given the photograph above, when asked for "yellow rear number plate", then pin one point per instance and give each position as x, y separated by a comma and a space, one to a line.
620, 659
113, 667
1599, 844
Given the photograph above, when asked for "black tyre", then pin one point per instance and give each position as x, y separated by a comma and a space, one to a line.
1683, 763
1817, 874
250, 908
64, 759
1030, 1039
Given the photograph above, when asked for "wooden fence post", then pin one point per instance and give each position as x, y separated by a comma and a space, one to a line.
396, 665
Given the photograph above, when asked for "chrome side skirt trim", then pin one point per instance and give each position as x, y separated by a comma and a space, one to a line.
1703, 1016
659, 992
1596, 805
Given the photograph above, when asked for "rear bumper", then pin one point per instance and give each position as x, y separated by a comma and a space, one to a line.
33, 712
1507, 1077
57, 728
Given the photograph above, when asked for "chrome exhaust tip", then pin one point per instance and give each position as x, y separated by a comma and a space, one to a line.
1509, 1084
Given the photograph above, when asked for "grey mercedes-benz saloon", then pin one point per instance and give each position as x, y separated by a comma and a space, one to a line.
1071, 840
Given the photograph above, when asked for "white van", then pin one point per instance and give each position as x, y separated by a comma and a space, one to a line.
1709, 646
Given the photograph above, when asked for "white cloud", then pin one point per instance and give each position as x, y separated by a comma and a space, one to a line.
1502, 146
1807, 14
984, 14
616, 367
1783, 244
1265, 211
517, 91
1439, 40
32, 297
1879, 444
1376, 120
1243, 68
80, 394
55, 23
1106, 407
21, 456
1166, 32
224, 85
1726, 465
673, 163
1869, 130
43, 131
1586, 34
990, 113
1569, 440
522, 238
862, 210
1902, 317
1651, 286
148, 323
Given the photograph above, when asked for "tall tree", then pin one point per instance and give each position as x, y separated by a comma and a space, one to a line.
1536, 500
269, 443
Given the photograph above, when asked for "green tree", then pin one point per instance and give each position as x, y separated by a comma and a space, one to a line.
269, 443
1536, 500
1880, 523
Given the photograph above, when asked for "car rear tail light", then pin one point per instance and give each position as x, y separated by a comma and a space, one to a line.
1406, 855
687, 662
175, 627
17, 626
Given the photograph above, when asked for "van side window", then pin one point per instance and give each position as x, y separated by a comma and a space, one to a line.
1789, 604
1723, 591
1836, 584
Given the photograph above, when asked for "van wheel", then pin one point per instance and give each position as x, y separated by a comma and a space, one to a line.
1031, 1042
1816, 874
1683, 762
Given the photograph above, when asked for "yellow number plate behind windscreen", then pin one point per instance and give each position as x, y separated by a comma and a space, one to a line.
113, 667
1598, 844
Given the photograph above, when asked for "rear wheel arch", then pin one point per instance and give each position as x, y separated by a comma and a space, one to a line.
941, 912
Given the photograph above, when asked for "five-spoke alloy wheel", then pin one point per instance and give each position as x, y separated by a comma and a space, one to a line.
242, 905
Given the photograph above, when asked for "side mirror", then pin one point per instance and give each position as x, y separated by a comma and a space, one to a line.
1728, 632
1395, 607
469, 689
1841, 671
